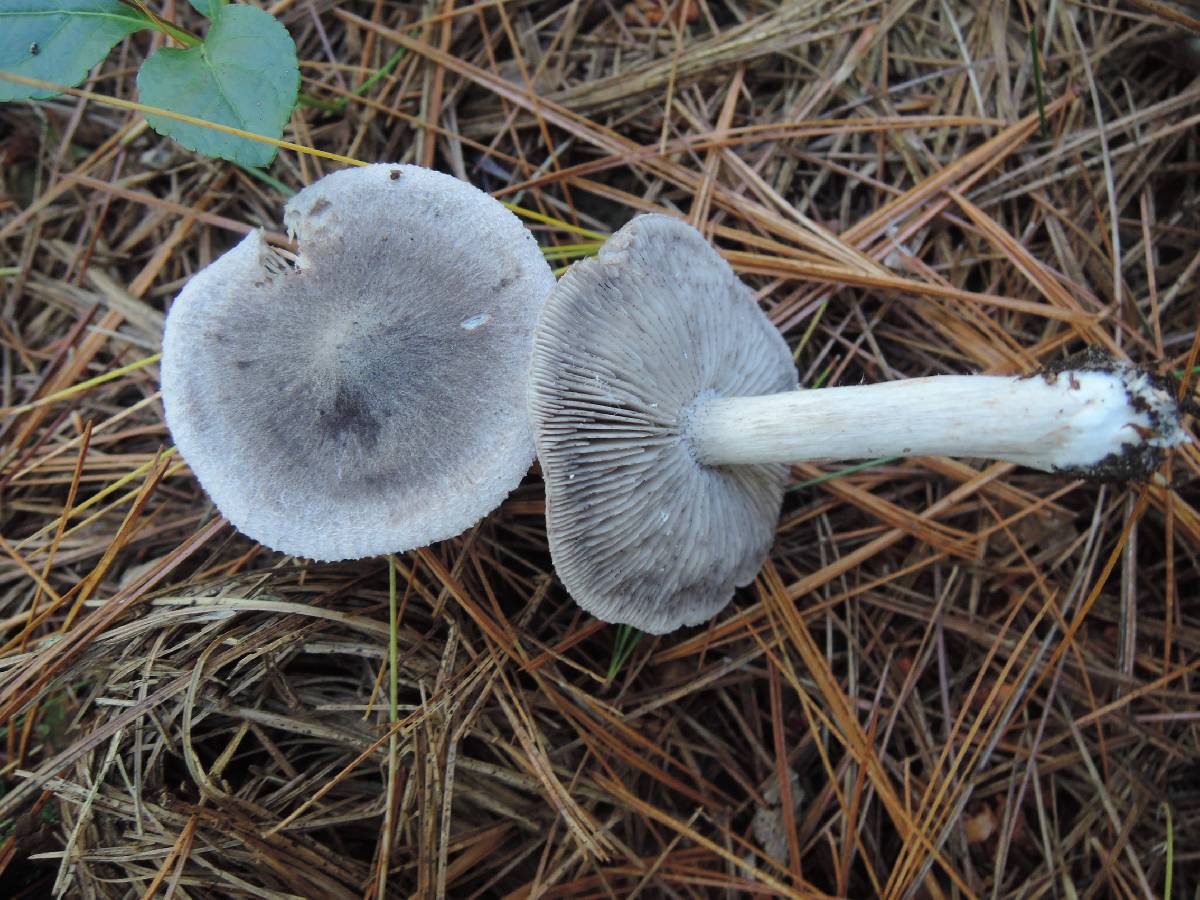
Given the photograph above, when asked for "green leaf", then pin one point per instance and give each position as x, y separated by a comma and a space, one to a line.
244, 75
59, 40
210, 9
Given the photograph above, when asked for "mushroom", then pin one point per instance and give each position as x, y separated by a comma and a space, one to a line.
372, 397
665, 414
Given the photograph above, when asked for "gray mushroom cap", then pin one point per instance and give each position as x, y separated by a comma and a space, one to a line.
640, 532
371, 398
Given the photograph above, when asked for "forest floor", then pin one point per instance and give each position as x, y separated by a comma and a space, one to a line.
953, 678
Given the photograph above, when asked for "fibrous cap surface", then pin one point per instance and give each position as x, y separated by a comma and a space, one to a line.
370, 399
640, 532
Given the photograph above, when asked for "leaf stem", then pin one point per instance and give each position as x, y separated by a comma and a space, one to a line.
1169, 875
317, 103
162, 25
339, 104
393, 644
626, 642
849, 470
1037, 78
267, 178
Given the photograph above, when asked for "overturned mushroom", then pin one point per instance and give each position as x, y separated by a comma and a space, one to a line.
665, 415
371, 398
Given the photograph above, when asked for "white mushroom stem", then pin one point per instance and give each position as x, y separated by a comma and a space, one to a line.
1069, 420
